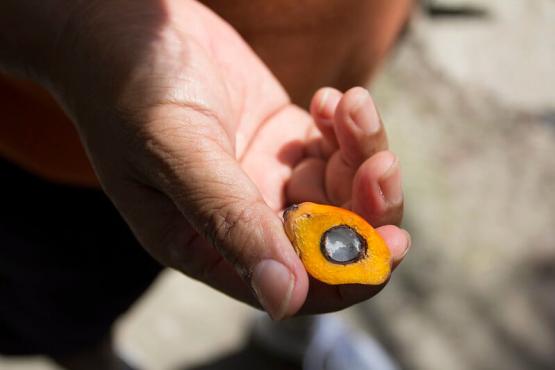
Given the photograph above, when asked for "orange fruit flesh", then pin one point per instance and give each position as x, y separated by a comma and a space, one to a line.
336, 245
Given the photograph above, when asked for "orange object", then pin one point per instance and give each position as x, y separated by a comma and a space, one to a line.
36, 134
337, 246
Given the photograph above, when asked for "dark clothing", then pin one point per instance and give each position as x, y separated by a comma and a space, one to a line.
69, 265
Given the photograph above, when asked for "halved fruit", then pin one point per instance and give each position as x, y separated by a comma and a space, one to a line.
337, 246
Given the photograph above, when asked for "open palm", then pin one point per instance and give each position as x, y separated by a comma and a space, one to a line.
201, 149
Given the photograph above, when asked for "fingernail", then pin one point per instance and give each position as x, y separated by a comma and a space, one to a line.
409, 243
322, 104
365, 115
390, 184
397, 260
273, 285
327, 105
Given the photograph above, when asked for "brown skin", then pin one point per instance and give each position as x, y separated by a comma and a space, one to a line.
306, 45
191, 135
200, 147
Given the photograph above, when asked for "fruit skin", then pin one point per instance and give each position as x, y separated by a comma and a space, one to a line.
305, 224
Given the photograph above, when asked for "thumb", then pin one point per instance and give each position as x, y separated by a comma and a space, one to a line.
206, 183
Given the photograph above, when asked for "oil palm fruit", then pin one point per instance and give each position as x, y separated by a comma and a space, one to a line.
336, 245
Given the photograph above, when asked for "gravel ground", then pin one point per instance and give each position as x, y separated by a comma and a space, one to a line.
470, 107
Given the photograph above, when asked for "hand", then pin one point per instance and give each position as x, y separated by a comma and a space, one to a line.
200, 149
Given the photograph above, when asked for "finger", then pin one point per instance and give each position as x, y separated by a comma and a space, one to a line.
307, 182
360, 134
358, 127
377, 190
398, 241
327, 298
317, 146
203, 262
322, 109
324, 298
339, 179
201, 176
222, 275
170, 239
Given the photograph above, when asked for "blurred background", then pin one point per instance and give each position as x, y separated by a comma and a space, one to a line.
468, 99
